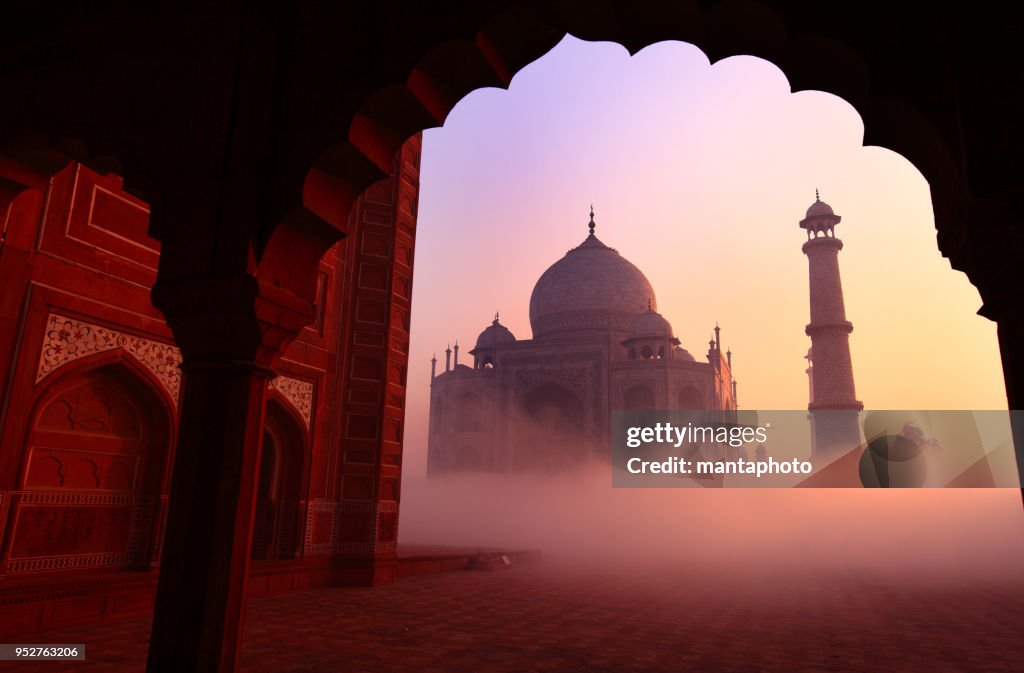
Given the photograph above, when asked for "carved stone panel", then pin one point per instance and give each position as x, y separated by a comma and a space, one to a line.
68, 339
574, 378
298, 393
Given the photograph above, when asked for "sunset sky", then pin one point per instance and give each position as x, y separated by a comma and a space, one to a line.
699, 175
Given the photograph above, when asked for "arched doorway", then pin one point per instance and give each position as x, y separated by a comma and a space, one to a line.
555, 407
92, 474
279, 495
689, 399
638, 397
553, 431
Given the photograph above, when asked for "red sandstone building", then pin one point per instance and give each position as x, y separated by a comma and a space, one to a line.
89, 407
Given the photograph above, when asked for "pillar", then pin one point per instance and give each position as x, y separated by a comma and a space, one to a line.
228, 348
372, 388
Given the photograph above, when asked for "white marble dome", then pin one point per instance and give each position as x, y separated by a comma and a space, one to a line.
591, 288
496, 334
650, 324
819, 209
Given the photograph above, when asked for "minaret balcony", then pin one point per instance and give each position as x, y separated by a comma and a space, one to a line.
831, 327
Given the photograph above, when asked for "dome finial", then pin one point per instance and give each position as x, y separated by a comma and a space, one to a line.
591, 225
817, 199
496, 316
649, 304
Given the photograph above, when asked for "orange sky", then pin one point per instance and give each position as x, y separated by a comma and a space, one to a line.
699, 175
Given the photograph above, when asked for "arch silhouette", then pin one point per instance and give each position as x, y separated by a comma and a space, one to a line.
435, 79
506, 43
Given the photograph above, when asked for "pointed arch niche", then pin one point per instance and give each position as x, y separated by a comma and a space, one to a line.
92, 481
281, 487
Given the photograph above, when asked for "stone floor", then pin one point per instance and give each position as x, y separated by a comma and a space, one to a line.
540, 617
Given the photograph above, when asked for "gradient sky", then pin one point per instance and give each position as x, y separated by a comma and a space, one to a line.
699, 175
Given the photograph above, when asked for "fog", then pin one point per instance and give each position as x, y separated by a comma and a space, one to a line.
961, 535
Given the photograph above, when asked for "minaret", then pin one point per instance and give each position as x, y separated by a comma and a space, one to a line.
833, 405
448, 359
433, 368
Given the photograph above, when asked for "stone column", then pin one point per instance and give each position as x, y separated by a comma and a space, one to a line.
228, 345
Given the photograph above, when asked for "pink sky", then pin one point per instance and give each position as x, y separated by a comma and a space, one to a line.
699, 175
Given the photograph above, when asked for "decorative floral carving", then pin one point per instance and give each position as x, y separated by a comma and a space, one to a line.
67, 339
572, 378
298, 393
40, 564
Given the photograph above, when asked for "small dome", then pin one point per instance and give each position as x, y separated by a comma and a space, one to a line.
650, 324
819, 208
683, 354
496, 334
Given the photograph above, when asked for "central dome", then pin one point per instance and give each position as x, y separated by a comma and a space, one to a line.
592, 288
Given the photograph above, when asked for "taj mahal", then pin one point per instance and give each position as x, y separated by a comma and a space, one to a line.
600, 345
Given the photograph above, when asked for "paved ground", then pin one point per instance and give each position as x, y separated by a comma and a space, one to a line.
541, 617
